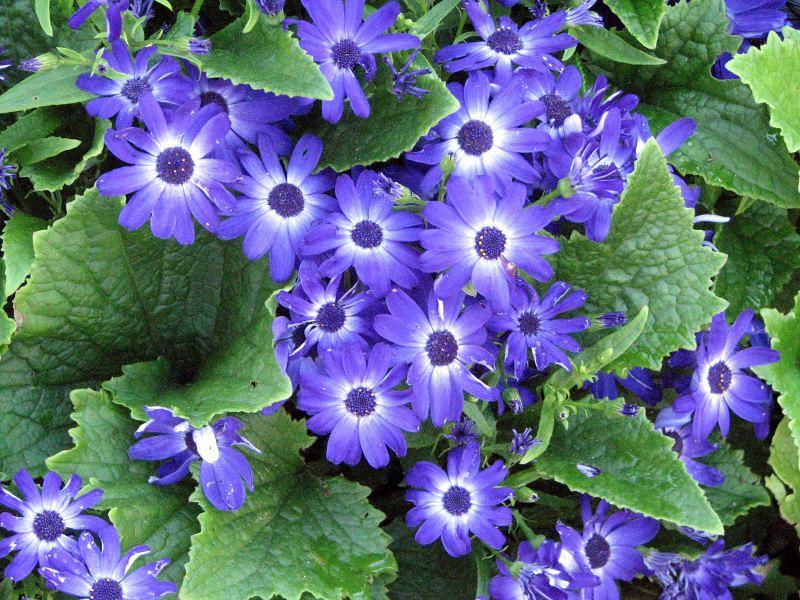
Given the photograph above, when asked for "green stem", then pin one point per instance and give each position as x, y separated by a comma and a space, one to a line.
522, 478
198, 4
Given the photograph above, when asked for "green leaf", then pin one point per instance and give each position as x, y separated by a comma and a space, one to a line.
32, 126
18, 248
7, 328
428, 22
742, 489
355, 141
652, 257
637, 466
266, 58
42, 8
692, 36
100, 297
45, 88
608, 44
641, 17
38, 150
764, 69
160, 517
783, 460
763, 251
296, 533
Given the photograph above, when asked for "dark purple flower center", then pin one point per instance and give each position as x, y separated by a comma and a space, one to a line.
490, 243
48, 525
360, 402
331, 317
175, 165
207, 98
505, 41
367, 234
442, 348
346, 54
456, 501
558, 109
134, 88
597, 551
719, 378
286, 200
106, 589
529, 323
475, 138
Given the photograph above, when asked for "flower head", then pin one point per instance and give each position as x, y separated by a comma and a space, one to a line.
688, 448
405, 80
4, 64
582, 15
462, 500
462, 432
522, 441
43, 519
755, 19
560, 96
114, 10
7, 173
639, 381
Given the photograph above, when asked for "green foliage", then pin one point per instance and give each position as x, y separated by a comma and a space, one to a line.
295, 534
609, 44
652, 257
783, 460
18, 249
428, 22
34, 125
53, 87
38, 150
641, 17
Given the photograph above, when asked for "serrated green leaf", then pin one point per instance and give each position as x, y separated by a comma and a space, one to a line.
639, 470
18, 249
7, 328
764, 69
355, 141
38, 150
294, 534
32, 126
608, 44
267, 58
652, 257
641, 17
783, 460
763, 251
160, 517
100, 297
47, 88
428, 22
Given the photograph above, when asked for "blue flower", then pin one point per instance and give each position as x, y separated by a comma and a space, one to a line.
533, 325
462, 432
7, 173
505, 45
43, 519
607, 546
522, 441
289, 354
487, 136
4, 64
688, 448
479, 237
223, 470
278, 204
405, 80
271, 7
120, 96
114, 10
581, 15
170, 174
639, 381
101, 574
561, 96
366, 234
719, 383
462, 500
339, 40
441, 344
755, 18
352, 398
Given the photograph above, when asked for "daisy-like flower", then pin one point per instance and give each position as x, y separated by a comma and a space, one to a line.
93, 573
480, 237
327, 317
688, 448
366, 234
534, 326
504, 45
352, 398
43, 519
560, 96
120, 96
607, 546
441, 345
719, 383
462, 500
169, 173
487, 136
278, 205
340, 40
114, 10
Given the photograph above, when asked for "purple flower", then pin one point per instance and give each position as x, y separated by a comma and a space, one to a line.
533, 325
114, 10
522, 441
278, 204
688, 448
719, 383
450, 505
43, 519
504, 45
170, 174
441, 345
271, 7
405, 80
101, 574
755, 18
120, 96
339, 40
7, 173
4, 64
487, 136
462, 432
480, 237
639, 381
367, 235
561, 97
581, 15
289, 354
351, 398
607, 546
